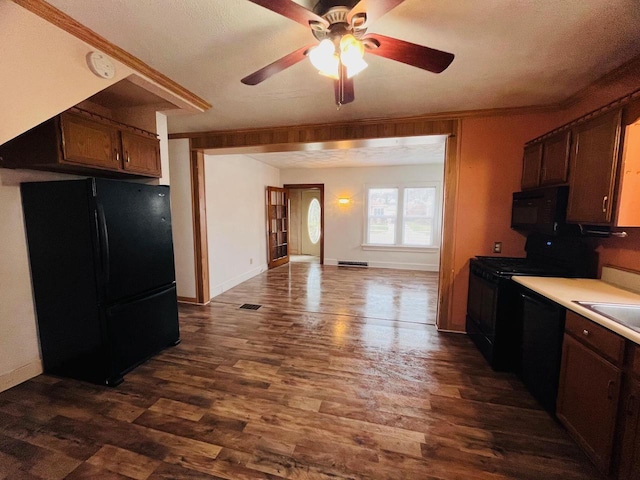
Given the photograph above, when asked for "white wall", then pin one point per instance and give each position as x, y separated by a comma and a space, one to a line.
236, 223
44, 71
182, 217
19, 346
344, 224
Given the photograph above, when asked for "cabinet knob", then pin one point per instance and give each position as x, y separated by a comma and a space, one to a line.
117, 155
128, 157
604, 203
585, 332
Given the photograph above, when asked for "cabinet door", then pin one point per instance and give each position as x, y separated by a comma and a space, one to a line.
141, 154
588, 400
531, 164
89, 143
593, 163
555, 159
630, 445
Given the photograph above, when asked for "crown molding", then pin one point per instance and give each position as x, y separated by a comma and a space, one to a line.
629, 69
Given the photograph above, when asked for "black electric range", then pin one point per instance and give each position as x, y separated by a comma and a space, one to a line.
493, 319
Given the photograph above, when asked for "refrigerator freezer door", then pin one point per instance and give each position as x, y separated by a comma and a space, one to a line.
134, 225
141, 328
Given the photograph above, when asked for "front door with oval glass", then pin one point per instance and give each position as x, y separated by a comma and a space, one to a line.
310, 233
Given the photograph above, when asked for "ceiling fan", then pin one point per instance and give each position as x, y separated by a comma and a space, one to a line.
341, 26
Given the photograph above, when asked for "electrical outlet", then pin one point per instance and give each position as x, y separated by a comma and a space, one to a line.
497, 247
251, 261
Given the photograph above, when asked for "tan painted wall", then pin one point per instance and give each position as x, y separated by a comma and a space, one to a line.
44, 71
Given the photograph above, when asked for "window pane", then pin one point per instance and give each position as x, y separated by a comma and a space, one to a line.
417, 231
383, 210
313, 221
418, 216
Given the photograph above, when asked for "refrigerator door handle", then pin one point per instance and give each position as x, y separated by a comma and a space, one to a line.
104, 243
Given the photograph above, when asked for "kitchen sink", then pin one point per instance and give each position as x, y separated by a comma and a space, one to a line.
627, 315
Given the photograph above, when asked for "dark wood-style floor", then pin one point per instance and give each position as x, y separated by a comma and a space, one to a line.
339, 375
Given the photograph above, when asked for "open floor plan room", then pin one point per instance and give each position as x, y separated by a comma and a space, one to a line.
338, 374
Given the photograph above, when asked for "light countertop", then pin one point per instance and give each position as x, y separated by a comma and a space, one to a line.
565, 290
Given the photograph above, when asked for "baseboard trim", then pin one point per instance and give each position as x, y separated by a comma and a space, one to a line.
20, 374
187, 299
444, 330
216, 290
395, 265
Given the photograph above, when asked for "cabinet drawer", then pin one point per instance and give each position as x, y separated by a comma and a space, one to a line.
601, 339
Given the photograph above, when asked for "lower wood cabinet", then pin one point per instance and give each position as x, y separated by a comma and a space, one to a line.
588, 400
599, 396
629, 421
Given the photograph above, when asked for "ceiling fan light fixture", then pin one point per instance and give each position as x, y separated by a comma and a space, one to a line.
351, 55
355, 67
324, 58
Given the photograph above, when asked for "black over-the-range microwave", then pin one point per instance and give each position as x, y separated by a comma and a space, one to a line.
541, 210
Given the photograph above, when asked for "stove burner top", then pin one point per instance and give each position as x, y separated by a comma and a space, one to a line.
520, 266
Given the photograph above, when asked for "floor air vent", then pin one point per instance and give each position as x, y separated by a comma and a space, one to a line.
344, 263
250, 306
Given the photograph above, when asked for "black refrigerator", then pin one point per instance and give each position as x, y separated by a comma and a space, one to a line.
103, 275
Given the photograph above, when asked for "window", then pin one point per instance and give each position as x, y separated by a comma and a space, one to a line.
418, 214
383, 213
402, 216
313, 221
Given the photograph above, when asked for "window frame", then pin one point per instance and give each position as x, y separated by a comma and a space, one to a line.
399, 229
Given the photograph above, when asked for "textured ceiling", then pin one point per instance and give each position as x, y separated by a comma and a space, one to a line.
509, 53
428, 150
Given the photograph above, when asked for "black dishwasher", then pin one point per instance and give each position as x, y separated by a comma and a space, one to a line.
542, 333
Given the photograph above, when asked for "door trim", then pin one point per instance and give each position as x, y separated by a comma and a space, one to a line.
310, 186
271, 262
447, 125
199, 212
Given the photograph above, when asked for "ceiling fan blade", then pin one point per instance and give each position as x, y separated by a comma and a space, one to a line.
416, 55
373, 9
343, 88
291, 10
277, 66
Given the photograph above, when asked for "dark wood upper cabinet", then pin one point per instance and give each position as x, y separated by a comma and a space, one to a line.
593, 164
81, 142
555, 159
140, 154
87, 142
531, 164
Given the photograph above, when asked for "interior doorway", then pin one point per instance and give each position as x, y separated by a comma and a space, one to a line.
306, 223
